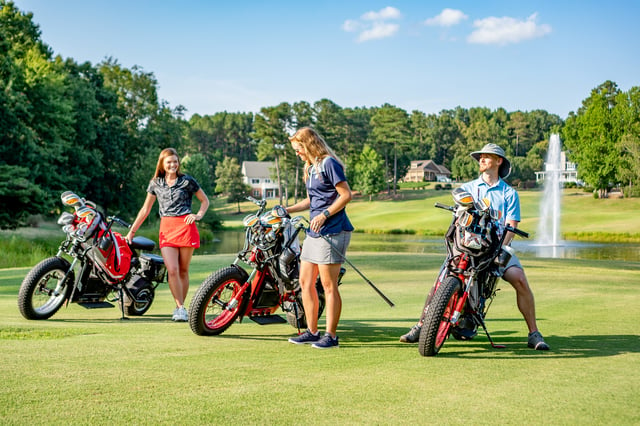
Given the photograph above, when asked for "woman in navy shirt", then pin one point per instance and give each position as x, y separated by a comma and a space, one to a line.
328, 235
179, 235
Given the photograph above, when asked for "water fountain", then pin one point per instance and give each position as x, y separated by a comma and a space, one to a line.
549, 226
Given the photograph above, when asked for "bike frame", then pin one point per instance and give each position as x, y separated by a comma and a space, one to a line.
466, 269
261, 274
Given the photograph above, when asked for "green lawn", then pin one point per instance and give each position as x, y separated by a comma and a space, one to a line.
583, 217
88, 367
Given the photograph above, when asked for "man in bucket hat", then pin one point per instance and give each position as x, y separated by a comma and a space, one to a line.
494, 167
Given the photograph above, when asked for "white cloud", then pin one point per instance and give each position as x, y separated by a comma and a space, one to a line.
447, 18
373, 25
386, 13
379, 30
351, 26
507, 30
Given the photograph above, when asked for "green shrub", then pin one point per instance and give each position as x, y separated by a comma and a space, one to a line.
19, 252
212, 220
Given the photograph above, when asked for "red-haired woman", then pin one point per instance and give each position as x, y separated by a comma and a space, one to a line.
179, 235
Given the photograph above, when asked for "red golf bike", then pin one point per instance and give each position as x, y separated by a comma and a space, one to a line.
466, 285
272, 250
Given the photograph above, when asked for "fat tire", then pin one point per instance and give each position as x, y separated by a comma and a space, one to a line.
226, 281
31, 288
437, 315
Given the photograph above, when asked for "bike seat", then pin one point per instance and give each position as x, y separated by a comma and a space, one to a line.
142, 243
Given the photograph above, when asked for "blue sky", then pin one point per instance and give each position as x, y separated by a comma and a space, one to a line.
213, 56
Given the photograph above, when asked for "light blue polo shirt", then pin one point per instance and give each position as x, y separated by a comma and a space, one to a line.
503, 197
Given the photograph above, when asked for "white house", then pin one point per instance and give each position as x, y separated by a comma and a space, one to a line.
257, 174
569, 171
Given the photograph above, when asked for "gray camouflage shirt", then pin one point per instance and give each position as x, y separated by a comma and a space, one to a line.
174, 200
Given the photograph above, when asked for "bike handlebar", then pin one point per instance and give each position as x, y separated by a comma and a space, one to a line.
444, 206
120, 221
508, 227
517, 231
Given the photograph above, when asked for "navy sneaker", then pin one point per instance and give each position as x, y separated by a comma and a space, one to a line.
306, 337
327, 342
412, 336
536, 341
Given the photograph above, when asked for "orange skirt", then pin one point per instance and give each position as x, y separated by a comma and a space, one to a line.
174, 232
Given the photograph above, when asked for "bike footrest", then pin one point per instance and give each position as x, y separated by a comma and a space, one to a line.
268, 319
95, 305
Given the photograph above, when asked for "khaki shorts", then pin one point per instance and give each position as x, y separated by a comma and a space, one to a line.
320, 252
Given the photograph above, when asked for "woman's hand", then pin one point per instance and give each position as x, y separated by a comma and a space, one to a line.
317, 222
129, 236
191, 218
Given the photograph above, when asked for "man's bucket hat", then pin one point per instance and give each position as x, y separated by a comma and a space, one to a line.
492, 148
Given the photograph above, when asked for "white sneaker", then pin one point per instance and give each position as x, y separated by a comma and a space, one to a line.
175, 314
181, 315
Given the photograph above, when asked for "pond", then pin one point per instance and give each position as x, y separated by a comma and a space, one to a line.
232, 242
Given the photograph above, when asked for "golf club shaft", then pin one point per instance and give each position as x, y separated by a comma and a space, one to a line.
385, 298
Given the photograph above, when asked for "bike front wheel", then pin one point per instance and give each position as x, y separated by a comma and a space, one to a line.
43, 290
210, 311
437, 322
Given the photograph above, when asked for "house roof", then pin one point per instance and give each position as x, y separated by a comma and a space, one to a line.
431, 165
257, 169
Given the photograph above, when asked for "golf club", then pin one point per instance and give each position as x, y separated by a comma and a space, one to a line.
385, 298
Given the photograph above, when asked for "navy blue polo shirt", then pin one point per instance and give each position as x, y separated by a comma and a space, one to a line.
321, 188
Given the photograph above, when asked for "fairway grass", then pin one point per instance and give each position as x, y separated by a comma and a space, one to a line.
583, 217
89, 367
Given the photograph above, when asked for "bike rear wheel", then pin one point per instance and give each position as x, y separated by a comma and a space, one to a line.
209, 311
142, 294
42, 291
437, 323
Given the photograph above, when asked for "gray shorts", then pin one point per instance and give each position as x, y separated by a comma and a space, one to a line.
514, 261
319, 251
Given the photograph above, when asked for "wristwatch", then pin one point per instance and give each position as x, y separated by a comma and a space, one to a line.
326, 213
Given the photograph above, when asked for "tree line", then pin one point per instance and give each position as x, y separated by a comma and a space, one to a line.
98, 129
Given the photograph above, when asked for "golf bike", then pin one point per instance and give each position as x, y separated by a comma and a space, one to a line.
466, 285
108, 268
272, 250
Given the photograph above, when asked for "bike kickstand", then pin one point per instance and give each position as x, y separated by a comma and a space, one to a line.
295, 311
493, 345
121, 295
